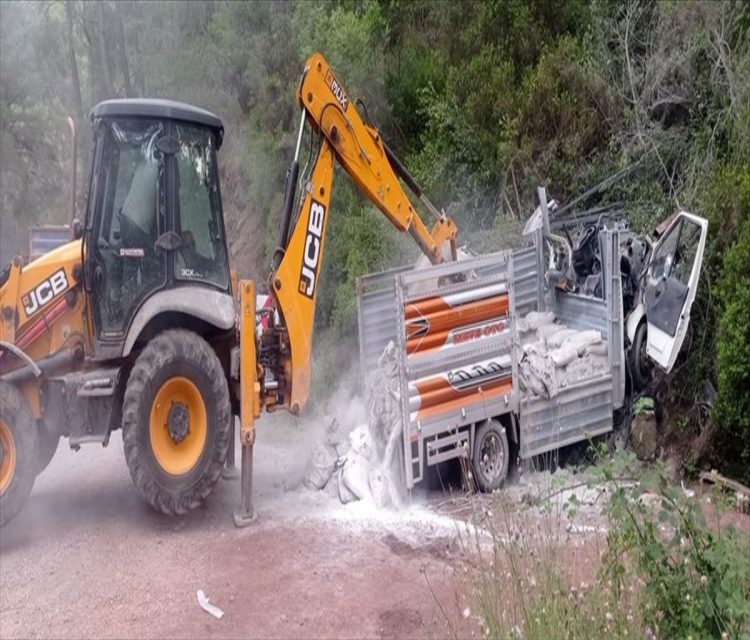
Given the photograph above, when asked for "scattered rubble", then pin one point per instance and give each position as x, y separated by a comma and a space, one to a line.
364, 462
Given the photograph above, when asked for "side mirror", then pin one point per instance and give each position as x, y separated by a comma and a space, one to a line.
77, 229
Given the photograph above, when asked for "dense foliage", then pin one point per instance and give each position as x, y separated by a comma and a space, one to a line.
483, 100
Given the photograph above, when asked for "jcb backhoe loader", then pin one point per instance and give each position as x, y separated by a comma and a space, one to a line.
136, 324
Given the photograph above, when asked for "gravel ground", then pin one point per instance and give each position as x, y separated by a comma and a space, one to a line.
87, 558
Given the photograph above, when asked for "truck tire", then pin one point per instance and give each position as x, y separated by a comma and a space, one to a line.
19, 442
490, 456
48, 442
176, 421
640, 370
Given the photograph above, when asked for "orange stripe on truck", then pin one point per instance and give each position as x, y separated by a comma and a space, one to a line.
439, 323
439, 400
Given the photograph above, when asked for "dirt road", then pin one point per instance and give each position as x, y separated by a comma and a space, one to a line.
87, 558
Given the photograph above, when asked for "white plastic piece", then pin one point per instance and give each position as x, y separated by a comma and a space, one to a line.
206, 605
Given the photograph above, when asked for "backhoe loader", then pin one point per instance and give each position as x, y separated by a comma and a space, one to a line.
137, 323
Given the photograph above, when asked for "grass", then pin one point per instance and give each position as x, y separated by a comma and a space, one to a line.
659, 570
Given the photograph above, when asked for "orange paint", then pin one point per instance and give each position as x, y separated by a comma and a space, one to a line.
441, 400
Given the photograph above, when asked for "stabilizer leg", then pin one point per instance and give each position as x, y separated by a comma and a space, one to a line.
245, 515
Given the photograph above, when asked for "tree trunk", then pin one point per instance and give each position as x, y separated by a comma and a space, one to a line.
122, 50
105, 66
140, 76
77, 101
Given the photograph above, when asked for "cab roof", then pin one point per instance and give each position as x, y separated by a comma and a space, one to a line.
156, 108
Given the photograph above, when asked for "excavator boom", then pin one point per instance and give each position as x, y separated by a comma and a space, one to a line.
275, 372
360, 150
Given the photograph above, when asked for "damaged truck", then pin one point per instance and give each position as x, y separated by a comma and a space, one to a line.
524, 352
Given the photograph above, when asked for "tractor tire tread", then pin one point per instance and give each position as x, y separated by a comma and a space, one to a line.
13, 406
161, 351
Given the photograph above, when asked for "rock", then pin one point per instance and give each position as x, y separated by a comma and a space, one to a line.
320, 466
643, 435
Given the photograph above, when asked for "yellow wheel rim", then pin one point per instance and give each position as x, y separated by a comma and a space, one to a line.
7, 457
178, 426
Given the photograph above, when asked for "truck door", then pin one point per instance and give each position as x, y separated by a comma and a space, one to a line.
671, 283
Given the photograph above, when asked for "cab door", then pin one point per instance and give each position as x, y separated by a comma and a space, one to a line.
671, 283
126, 218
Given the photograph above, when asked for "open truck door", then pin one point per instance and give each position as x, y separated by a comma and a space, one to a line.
671, 283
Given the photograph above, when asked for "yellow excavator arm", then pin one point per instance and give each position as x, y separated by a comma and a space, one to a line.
360, 150
275, 368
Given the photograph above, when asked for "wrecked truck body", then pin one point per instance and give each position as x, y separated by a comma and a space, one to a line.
495, 361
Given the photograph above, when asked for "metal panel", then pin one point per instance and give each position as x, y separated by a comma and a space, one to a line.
526, 280
376, 311
581, 312
616, 333
584, 409
576, 413
452, 359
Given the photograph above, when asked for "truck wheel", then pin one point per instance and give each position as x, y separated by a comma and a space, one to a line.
47, 447
490, 455
19, 442
640, 368
176, 421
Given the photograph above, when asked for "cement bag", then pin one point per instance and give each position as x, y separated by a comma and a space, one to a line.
320, 466
585, 368
555, 340
379, 488
599, 349
355, 475
537, 372
535, 319
345, 495
361, 441
563, 356
582, 339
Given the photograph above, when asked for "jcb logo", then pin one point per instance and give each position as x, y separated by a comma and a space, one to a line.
44, 292
311, 256
337, 90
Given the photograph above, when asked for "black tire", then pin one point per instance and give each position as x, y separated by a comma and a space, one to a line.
640, 369
490, 456
170, 357
19, 442
47, 447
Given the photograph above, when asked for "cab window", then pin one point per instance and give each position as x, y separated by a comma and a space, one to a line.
198, 215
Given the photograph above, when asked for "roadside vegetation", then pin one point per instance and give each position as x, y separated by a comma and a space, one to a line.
658, 569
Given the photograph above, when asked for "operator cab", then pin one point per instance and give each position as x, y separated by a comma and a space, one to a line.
154, 220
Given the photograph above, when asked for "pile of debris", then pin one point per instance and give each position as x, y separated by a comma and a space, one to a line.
365, 463
555, 356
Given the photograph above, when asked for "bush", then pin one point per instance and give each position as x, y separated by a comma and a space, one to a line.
664, 572
696, 578
733, 402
